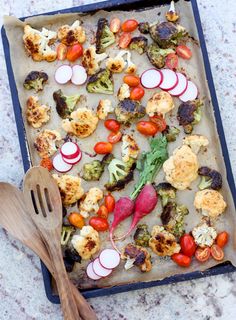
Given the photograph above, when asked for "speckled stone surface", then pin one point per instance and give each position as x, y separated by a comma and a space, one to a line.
22, 295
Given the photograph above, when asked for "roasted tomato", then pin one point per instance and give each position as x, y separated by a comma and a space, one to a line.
61, 51
132, 81
103, 212
172, 61
99, 224
222, 239
76, 220
115, 25
202, 254
129, 25
137, 93
103, 147
217, 253
74, 52
124, 40
188, 245
159, 121
112, 125
46, 163
110, 202
114, 137
184, 52
181, 259
148, 128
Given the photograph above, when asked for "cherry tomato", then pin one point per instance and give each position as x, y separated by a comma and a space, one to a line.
99, 224
184, 52
114, 137
137, 93
172, 61
103, 211
46, 163
217, 253
112, 125
129, 25
159, 121
76, 220
74, 52
61, 51
124, 40
132, 81
148, 128
202, 254
115, 25
222, 239
103, 147
181, 259
110, 202
188, 245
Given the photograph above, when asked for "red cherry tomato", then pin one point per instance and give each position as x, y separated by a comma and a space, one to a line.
137, 93
181, 259
148, 128
202, 254
103, 212
74, 52
222, 239
124, 40
184, 52
217, 253
99, 224
110, 202
103, 147
61, 51
129, 25
159, 121
114, 137
172, 61
115, 25
188, 245
132, 81
112, 125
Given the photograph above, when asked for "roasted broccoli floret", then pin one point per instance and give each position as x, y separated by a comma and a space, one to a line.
104, 36
156, 55
66, 234
210, 179
35, 80
65, 104
142, 236
139, 44
72, 254
129, 110
166, 192
120, 173
92, 171
144, 27
189, 114
101, 82
171, 133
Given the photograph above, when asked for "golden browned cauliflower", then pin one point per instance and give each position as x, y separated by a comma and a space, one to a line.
129, 148
82, 123
90, 202
117, 64
37, 43
104, 108
124, 92
131, 67
181, 168
204, 235
195, 142
45, 143
91, 60
210, 202
162, 242
87, 242
70, 188
70, 35
36, 114
159, 104
136, 256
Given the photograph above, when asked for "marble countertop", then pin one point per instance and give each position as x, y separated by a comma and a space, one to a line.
22, 294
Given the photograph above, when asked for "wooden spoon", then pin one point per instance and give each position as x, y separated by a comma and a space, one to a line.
15, 219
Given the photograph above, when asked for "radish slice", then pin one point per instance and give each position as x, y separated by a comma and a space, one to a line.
181, 86
63, 74
73, 161
170, 79
90, 273
151, 78
100, 270
190, 93
70, 150
109, 258
60, 165
79, 75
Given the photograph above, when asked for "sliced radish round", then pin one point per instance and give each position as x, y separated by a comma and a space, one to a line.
70, 150
190, 93
109, 258
74, 160
169, 81
151, 78
79, 75
100, 270
90, 273
63, 74
181, 86
60, 165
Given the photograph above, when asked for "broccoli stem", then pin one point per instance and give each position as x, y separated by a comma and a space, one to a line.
205, 183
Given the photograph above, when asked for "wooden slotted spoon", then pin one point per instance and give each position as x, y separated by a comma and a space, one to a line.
15, 219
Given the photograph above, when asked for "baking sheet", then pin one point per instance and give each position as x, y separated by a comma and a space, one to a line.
213, 157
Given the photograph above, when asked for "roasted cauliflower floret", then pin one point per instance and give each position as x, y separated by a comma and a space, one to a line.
160, 103
70, 188
37, 43
36, 114
82, 123
70, 35
204, 235
195, 142
124, 92
90, 203
91, 60
129, 148
45, 143
210, 202
104, 108
136, 256
181, 168
162, 242
117, 64
87, 242
131, 67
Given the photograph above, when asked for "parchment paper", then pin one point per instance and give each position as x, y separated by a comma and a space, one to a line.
22, 65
